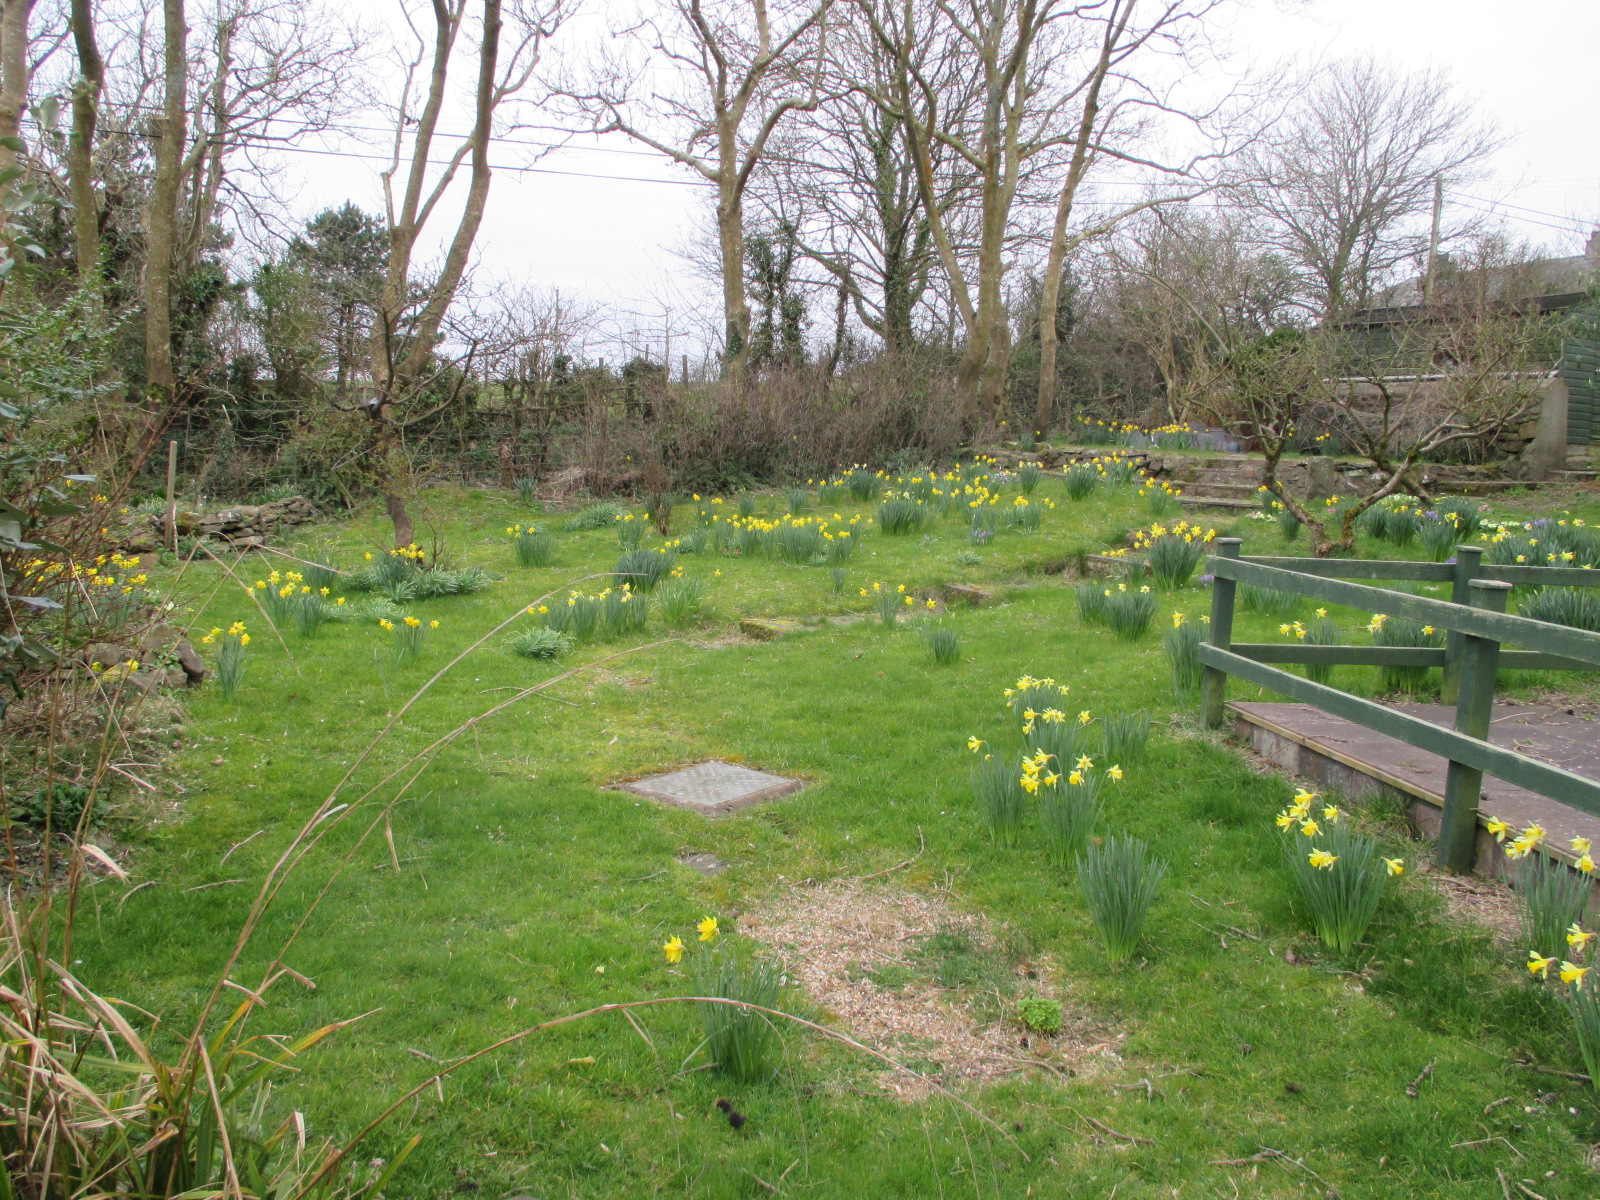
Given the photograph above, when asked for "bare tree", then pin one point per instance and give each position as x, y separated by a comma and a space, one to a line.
409, 316
170, 133
14, 75
1343, 182
82, 192
721, 76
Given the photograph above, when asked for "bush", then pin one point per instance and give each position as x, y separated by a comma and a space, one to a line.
541, 642
1121, 880
1040, 1014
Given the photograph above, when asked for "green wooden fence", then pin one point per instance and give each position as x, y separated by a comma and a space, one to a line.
1476, 623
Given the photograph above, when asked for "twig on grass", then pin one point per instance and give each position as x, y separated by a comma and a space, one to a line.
1411, 1088
921, 846
1505, 1188
236, 845
1485, 1142
1493, 1104
1149, 1088
1106, 1129
1268, 1154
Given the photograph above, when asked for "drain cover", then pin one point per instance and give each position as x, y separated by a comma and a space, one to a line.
713, 787
706, 864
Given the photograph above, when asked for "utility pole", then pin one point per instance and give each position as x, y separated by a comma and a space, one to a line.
1433, 239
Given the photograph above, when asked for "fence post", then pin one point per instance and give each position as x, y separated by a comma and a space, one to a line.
1214, 683
1458, 829
1469, 564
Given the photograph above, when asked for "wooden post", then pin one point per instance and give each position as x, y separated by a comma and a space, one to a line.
1469, 565
1214, 683
1458, 830
172, 496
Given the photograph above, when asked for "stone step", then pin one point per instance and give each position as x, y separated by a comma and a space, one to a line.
1577, 475
1192, 501
1232, 474
1236, 491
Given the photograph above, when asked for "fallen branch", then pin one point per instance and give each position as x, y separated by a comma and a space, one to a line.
1104, 1128
921, 846
1411, 1088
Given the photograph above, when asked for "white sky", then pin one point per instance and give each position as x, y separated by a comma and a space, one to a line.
611, 240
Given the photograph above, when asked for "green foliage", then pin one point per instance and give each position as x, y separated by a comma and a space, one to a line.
60, 805
1551, 897
901, 515
1121, 880
943, 643
1341, 896
862, 484
1040, 1014
1583, 1003
1128, 613
1173, 558
836, 577
641, 570
797, 499
1029, 476
534, 547
1182, 646
680, 601
311, 612
1068, 812
1402, 631
1269, 602
997, 787
739, 1041
1577, 607
527, 488
624, 611
630, 532
1323, 631
800, 544
597, 516
1124, 737
1082, 480
541, 642
1028, 518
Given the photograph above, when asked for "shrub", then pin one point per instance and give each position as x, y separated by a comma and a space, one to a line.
1121, 880
1577, 607
541, 642
944, 644
1182, 646
680, 600
596, 516
1041, 1014
1081, 480
1124, 738
997, 787
1339, 872
902, 514
641, 570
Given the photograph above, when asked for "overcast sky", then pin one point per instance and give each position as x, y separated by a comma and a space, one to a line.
601, 222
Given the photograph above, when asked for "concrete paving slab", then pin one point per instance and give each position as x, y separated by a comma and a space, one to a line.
713, 787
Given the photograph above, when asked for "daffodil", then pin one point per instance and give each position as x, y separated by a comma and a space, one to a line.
1580, 845
1577, 938
1322, 860
1114, 771
708, 929
1331, 814
1572, 973
974, 744
673, 949
1498, 828
1075, 779
1395, 866
1310, 828
1084, 763
1285, 819
1538, 964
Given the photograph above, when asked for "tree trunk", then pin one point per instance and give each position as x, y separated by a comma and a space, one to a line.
80, 146
13, 73
161, 217
735, 311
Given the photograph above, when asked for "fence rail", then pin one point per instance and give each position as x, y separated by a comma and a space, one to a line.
1476, 624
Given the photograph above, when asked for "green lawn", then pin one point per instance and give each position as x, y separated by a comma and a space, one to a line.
525, 891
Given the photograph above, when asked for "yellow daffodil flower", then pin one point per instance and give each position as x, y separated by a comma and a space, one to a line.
1577, 938
1310, 828
1395, 866
1498, 828
1085, 763
1580, 845
1572, 973
974, 744
1285, 819
1114, 771
708, 929
1538, 964
673, 949
1331, 814
1322, 860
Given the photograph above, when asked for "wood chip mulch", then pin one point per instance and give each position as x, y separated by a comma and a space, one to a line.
831, 935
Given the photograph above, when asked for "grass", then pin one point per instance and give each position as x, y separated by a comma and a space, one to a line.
524, 891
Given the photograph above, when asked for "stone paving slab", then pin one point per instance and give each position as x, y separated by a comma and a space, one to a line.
1295, 735
713, 787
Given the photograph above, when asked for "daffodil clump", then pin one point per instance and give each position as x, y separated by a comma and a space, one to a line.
641, 570
1546, 542
1341, 874
1402, 631
1027, 515
1182, 646
891, 603
409, 634
1550, 895
534, 547
231, 643
1161, 498
631, 531
739, 1041
585, 616
1173, 551
1121, 880
1029, 697
1127, 611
